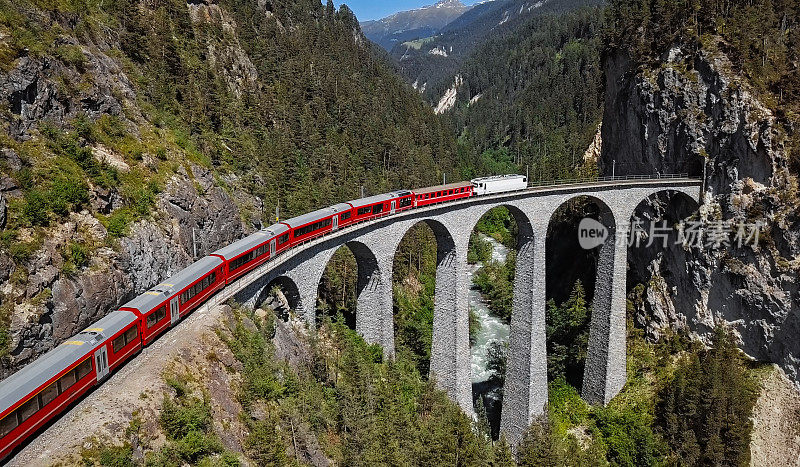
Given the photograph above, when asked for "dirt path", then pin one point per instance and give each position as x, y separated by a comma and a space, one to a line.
106, 412
776, 423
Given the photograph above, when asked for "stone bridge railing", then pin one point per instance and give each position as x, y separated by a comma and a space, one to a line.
374, 244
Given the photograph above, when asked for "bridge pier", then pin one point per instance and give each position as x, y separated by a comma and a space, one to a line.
374, 307
525, 389
605, 373
450, 355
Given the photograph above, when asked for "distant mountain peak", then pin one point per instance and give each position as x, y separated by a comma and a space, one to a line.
413, 24
449, 4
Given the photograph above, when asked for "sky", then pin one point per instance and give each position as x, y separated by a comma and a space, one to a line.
376, 9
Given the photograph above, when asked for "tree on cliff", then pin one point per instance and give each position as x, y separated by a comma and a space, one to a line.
704, 409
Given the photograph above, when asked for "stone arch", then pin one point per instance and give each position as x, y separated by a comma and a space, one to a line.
372, 285
290, 290
656, 266
515, 404
450, 358
670, 199
524, 224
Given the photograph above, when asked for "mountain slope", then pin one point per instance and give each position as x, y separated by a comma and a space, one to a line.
412, 24
433, 62
131, 133
537, 92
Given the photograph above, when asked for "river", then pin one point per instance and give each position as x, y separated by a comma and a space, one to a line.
493, 329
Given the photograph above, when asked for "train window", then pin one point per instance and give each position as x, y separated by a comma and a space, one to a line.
131, 335
84, 368
156, 316
66, 381
49, 394
377, 209
345, 216
364, 210
427, 196
7, 424
118, 344
405, 202
27, 409
283, 238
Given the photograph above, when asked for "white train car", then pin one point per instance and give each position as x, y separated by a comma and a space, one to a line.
499, 184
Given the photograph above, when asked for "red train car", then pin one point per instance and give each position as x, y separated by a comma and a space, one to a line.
248, 253
380, 205
315, 224
43, 389
165, 304
442, 193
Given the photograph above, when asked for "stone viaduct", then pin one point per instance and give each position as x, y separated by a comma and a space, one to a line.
374, 245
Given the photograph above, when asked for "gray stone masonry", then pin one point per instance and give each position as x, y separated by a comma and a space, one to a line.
374, 245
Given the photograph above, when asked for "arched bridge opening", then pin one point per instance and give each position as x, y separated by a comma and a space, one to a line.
657, 259
355, 286
500, 267
282, 295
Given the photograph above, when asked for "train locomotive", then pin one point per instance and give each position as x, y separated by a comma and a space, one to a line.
40, 391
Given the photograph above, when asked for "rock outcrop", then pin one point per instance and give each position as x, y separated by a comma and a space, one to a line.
694, 115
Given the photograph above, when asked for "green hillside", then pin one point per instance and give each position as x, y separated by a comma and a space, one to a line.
281, 94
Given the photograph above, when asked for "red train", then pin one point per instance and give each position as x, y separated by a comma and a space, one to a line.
46, 387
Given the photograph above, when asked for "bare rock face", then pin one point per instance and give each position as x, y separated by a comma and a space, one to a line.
694, 115
64, 302
33, 91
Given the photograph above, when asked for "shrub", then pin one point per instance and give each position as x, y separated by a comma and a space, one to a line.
22, 251
68, 193
117, 223
116, 456
188, 415
72, 55
76, 256
196, 445
35, 209
629, 436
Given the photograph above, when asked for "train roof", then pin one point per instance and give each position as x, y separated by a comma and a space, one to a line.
155, 296
432, 189
304, 219
248, 243
276, 229
31, 377
495, 178
357, 203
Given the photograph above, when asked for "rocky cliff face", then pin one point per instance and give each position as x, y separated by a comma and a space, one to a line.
694, 114
53, 304
45, 297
